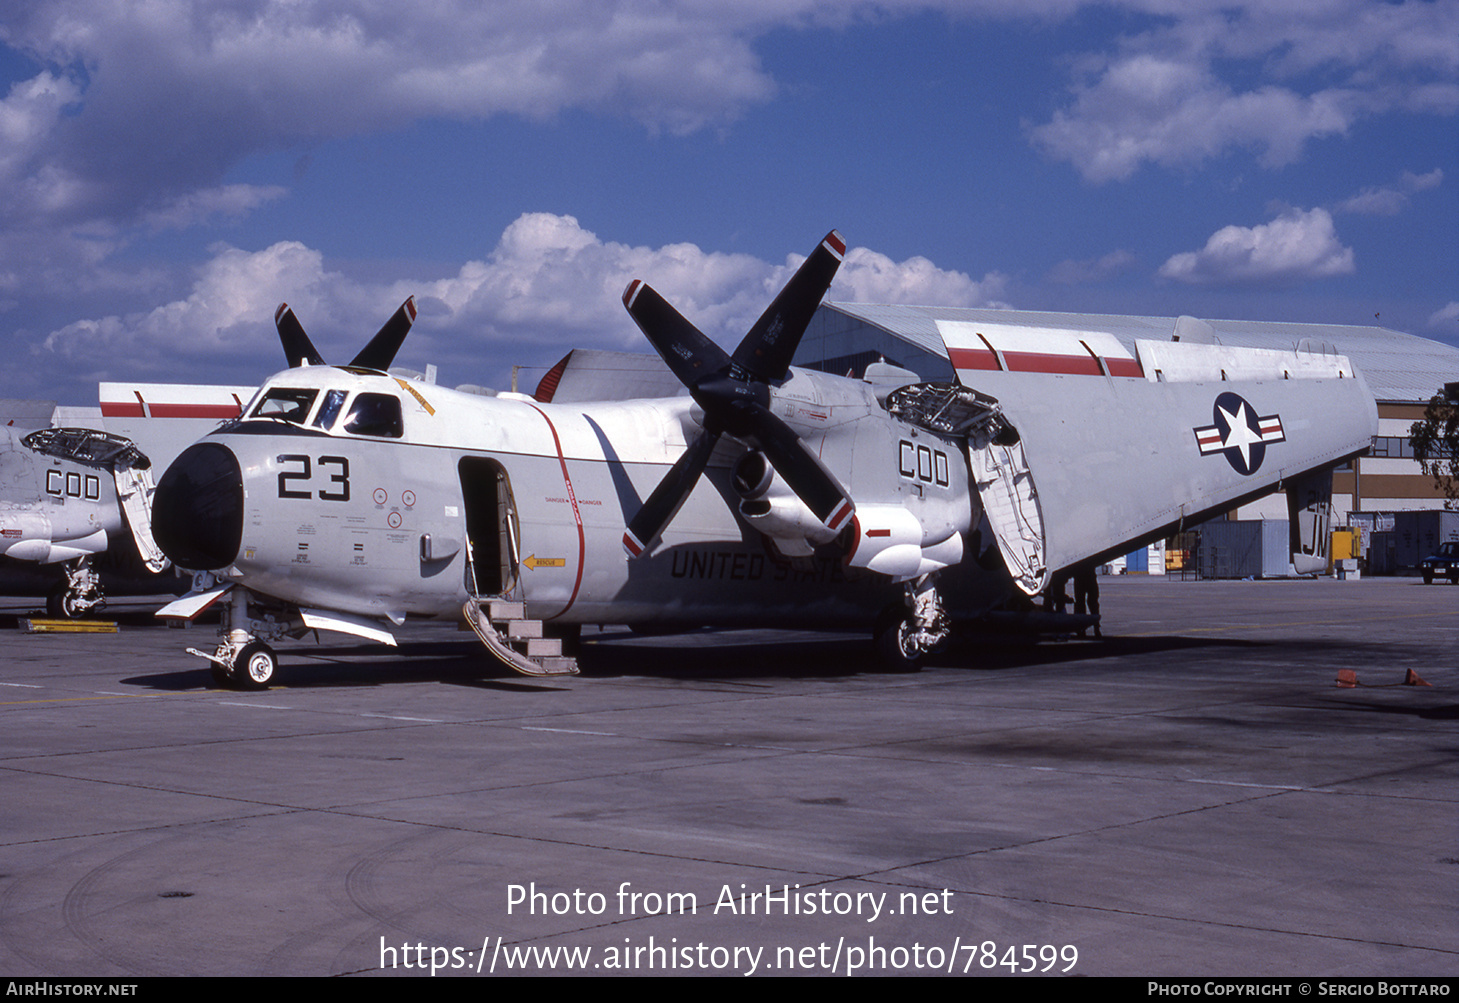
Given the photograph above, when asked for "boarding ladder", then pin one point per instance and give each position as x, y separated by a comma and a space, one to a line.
521, 644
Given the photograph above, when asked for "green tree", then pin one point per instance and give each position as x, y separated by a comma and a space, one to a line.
1436, 442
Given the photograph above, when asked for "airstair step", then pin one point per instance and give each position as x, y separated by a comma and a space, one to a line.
516, 641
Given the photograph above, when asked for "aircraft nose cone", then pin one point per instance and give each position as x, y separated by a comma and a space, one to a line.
197, 510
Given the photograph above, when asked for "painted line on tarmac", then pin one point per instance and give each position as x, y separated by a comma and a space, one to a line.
1286, 623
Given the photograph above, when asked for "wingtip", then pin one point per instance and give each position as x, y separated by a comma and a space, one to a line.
631, 293
836, 244
279, 313
409, 307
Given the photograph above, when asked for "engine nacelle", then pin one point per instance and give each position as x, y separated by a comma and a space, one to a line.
28, 536
768, 504
891, 541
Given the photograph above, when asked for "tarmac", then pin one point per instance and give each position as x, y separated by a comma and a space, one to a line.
1193, 796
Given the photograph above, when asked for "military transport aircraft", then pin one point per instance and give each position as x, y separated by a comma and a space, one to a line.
769, 496
66, 494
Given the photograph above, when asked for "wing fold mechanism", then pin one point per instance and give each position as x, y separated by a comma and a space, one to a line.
130, 468
1000, 469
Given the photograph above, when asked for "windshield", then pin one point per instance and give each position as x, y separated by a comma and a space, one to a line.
286, 404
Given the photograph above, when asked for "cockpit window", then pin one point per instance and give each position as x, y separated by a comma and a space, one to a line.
286, 404
329, 410
375, 414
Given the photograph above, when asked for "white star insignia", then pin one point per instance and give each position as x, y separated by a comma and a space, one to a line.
1241, 435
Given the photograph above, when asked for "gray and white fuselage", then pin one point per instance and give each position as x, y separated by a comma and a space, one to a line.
368, 494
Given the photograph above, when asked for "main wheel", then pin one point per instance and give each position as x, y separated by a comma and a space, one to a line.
61, 605
1428, 576
256, 666
893, 641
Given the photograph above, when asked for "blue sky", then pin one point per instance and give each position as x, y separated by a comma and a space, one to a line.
171, 171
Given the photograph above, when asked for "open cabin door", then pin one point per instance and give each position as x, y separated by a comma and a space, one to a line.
492, 529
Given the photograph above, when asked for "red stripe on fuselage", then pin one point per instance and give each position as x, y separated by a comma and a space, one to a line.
577, 516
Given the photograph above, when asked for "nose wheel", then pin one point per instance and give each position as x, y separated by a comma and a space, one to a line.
242, 660
255, 666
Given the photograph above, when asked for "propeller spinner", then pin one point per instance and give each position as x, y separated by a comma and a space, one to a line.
377, 355
734, 393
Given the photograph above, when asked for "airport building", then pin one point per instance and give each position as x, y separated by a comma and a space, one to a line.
1402, 370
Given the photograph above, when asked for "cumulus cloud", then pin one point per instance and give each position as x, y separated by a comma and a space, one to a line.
228, 313
869, 277
548, 285
1295, 247
1446, 318
1169, 95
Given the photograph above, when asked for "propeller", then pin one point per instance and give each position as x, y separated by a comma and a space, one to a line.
376, 355
734, 393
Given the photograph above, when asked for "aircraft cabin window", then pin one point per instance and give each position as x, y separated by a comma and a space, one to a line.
329, 410
375, 414
286, 404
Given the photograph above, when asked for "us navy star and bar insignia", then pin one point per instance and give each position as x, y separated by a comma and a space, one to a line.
1239, 433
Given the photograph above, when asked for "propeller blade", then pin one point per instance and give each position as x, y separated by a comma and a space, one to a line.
380, 352
668, 497
802, 470
298, 349
767, 349
735, 394
684, 348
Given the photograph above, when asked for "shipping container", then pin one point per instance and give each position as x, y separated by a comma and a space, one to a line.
1245, 549
1416, 535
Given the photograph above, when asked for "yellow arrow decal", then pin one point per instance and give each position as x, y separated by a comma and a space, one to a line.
534, 562
412, 391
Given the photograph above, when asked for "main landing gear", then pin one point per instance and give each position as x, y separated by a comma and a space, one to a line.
244, 659
908, 633
78, 594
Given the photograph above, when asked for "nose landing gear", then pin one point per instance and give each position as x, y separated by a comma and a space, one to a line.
243, 659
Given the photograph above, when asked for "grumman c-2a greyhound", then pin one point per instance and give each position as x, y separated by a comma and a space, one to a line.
773, 496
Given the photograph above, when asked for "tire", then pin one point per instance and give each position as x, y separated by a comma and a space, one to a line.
891, 642
61, 605
1428, 576
256, 666
221, 679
